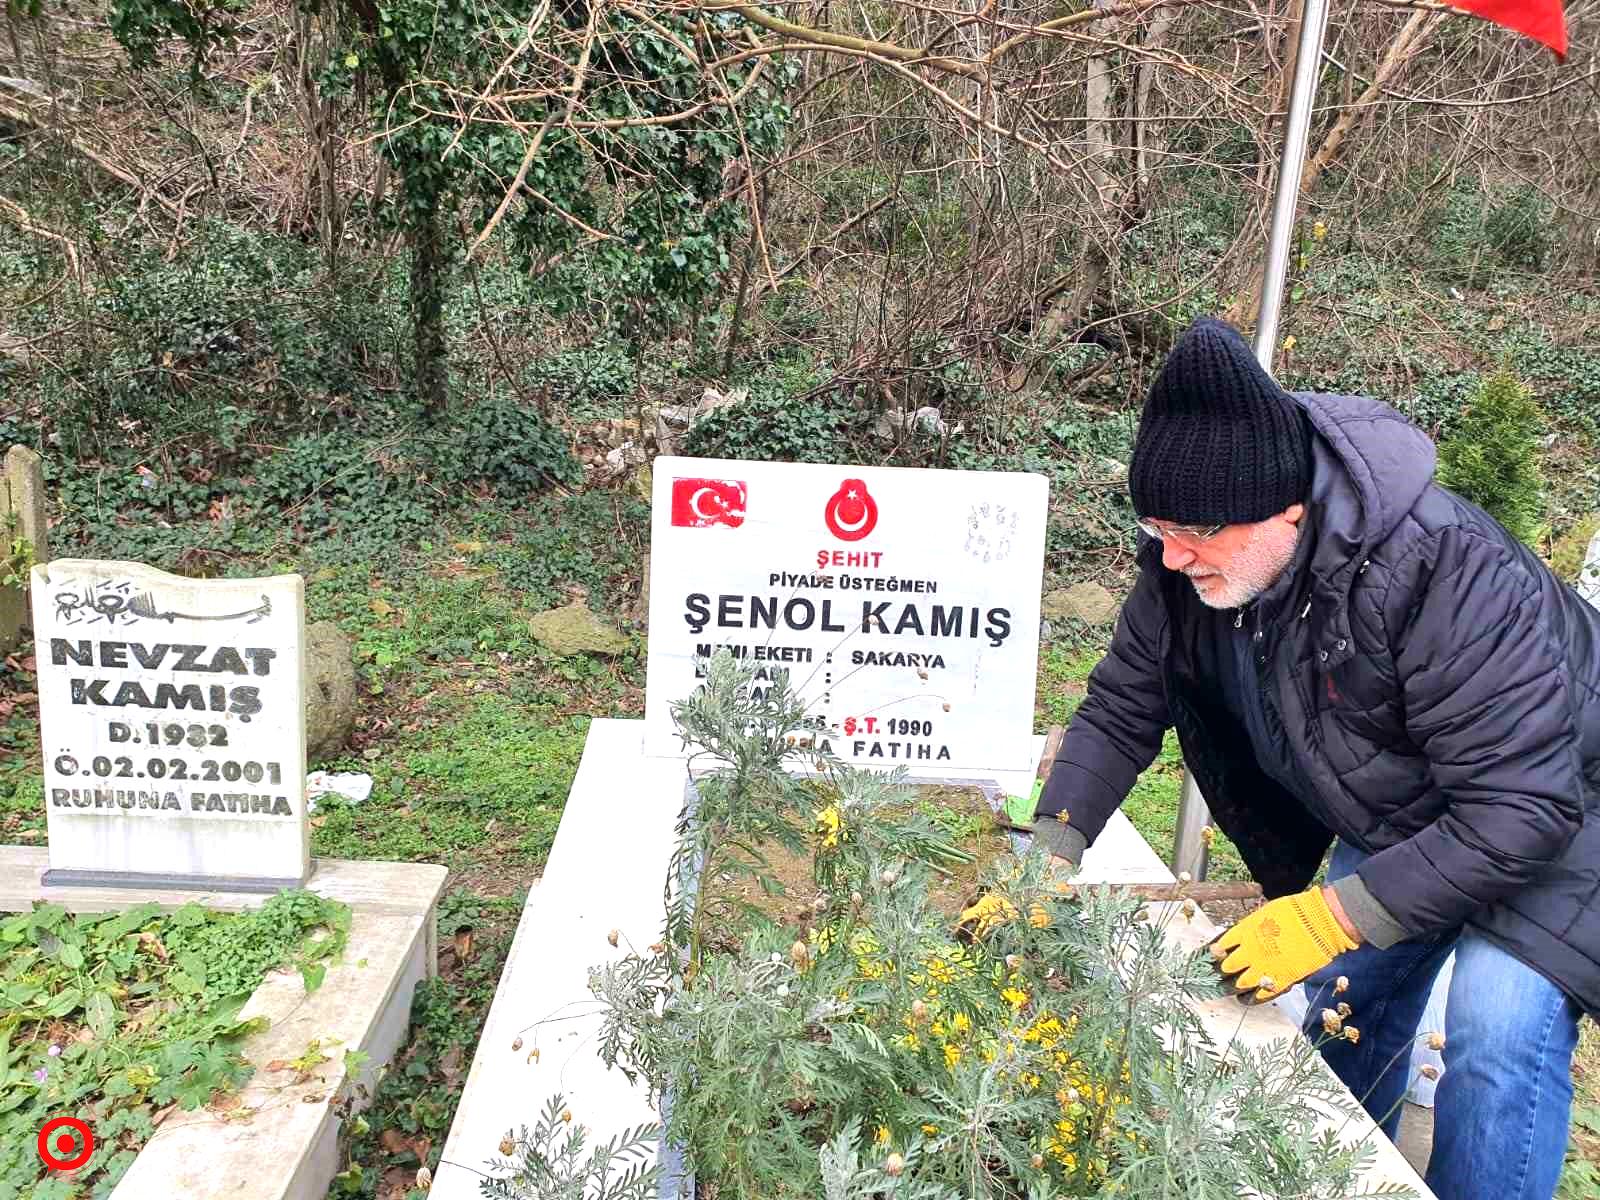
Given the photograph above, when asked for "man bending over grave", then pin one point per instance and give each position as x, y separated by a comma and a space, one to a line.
1352, 655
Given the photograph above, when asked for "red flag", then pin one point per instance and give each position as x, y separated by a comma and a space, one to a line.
1542, 20
697, 503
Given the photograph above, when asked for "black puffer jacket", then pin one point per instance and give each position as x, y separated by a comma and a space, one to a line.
1438, 687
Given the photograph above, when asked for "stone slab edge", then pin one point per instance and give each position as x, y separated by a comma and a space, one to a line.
286, 1150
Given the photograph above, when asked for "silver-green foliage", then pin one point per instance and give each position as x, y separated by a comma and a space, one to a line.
790, 1062
554, 1162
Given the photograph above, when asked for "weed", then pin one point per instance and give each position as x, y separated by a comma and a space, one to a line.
132, 1013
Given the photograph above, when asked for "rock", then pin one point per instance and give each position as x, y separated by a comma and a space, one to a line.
617, 462
573, 629
330, 696
711, 400
926, 420
889, 424
672, 422
1086, 602
1589, 578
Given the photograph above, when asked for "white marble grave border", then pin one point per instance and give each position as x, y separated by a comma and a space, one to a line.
606, 871
289, 1149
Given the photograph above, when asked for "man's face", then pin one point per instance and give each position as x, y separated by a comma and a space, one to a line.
1238, 562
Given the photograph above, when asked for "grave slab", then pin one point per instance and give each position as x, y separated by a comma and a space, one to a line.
606, 871
288, 1149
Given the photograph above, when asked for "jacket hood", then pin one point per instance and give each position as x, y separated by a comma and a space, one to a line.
1369, 467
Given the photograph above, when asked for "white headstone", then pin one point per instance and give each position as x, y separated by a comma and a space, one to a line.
903, 603
1589, 577
172, 726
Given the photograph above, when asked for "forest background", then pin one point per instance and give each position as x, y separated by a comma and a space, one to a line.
405, 294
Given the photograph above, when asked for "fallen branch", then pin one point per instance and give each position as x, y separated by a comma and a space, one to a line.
24, 117
20, 218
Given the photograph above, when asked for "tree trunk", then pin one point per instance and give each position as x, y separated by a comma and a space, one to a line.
429, 263
1095, 261
1146, 140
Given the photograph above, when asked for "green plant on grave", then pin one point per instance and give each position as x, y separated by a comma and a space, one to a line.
554, 1161
1491, 457
878, 1052
119, 1017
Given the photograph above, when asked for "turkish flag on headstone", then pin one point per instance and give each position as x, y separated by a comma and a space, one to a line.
1542, 20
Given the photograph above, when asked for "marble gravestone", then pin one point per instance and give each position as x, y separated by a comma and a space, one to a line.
172, 727
902, 604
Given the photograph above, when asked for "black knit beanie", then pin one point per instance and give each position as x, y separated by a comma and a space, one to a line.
1219, 441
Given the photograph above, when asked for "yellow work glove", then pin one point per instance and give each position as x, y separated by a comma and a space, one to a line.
1279, 944
993, 910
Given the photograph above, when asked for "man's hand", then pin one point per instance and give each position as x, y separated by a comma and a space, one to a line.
1279, 944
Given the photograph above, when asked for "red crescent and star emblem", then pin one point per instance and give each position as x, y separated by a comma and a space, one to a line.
851, 512
697, 503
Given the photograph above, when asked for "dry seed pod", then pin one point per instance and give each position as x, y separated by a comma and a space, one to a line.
516, 1044
657, 947
612, 937
507, 1146
855, 898
919, 1011
1038, 1162
1013, 962
1436, 1041
894, 1165
1429, 1071
1352, 1034
1341, 984
888, 877
566, 1115
424, 1179
798, 954
1344, 1009
820, 904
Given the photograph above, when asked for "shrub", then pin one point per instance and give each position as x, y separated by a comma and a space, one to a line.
1045, 1046
1492, 456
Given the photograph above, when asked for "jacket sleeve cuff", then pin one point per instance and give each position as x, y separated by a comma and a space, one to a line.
1374, 922
1060, 839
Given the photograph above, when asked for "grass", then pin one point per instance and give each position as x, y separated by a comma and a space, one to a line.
1580, 1179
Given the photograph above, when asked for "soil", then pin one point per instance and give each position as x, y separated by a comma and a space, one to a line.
949, 892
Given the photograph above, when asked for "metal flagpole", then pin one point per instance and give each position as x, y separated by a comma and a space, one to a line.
1189, 848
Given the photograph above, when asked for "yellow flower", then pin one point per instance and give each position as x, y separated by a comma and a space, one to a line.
931, 1130
1015, 997
1288, 342
952, 1054
883, 1135
831, 827
1319, 231
960, 1023
940, 971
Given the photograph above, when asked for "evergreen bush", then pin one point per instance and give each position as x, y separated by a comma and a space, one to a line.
1492, 456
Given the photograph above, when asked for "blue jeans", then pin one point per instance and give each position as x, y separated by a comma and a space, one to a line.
1503, 1103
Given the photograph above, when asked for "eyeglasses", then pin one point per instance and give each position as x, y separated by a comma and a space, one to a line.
1189, 533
